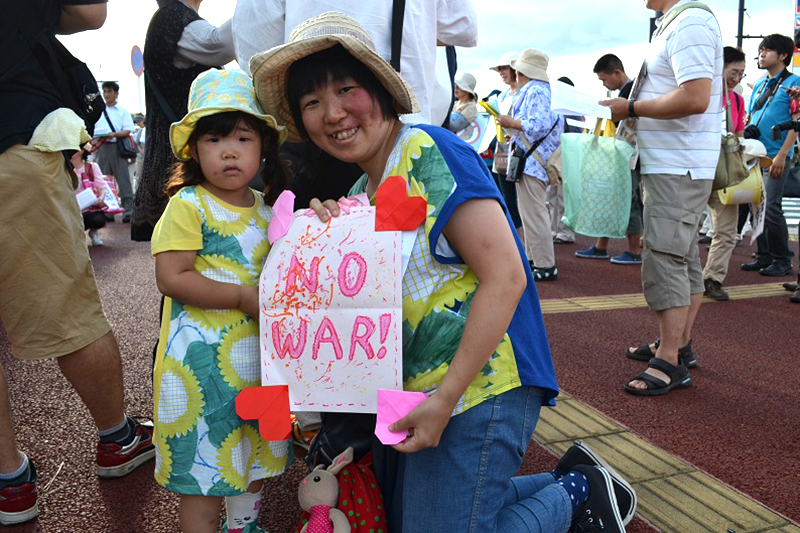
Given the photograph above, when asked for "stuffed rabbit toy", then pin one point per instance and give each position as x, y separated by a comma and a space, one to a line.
319, 494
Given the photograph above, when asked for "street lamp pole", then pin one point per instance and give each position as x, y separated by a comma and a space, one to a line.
740, 35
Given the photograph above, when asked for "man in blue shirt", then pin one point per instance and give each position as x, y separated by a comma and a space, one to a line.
770, 105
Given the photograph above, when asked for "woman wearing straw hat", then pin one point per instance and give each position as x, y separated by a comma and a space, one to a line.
533, 120
465, 109
473, 335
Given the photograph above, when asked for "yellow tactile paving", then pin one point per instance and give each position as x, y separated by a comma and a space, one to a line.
628, 301
673, 495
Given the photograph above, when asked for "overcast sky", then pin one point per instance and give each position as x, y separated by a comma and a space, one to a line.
574, 33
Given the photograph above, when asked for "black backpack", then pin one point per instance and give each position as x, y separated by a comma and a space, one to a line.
71, 78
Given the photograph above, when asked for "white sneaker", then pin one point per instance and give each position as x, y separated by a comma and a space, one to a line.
95, 238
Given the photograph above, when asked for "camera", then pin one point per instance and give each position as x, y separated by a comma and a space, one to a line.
778, 129
752, 132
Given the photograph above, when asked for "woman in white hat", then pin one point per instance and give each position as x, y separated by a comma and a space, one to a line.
465, 109
504, 102
534, 122
473, 334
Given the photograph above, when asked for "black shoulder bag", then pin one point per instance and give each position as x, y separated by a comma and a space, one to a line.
126, 148
71, 78
517, 158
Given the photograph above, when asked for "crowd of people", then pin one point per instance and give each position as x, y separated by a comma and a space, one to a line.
356, 92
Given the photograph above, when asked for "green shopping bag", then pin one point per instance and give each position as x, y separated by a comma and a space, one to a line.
597, 184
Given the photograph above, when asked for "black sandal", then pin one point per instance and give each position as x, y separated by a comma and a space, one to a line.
644, 353
678, 377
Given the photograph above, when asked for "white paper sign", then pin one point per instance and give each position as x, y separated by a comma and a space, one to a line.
331, 312
567, 100
86, 198
577, 124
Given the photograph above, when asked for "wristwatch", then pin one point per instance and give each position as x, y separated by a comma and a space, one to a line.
631, 112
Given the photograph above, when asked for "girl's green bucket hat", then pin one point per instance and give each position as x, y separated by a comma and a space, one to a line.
218, 91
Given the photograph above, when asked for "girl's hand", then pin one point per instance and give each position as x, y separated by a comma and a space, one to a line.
425, 424
324, 209
248, 301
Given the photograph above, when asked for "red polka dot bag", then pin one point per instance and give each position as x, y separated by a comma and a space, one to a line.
360, 499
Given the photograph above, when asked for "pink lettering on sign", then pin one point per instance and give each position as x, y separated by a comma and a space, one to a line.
309, 280
351, 283
362, 339
294, 349
386, 321
326, 333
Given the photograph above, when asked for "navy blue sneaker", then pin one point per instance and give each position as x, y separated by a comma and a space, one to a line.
627, 258
592, 253
581, 454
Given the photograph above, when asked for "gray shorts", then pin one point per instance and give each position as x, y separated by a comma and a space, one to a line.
671, 270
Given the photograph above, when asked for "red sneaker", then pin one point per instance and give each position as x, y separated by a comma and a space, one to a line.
18, 502
115, 460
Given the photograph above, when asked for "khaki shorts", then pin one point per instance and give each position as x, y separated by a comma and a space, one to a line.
671, 270
49, 302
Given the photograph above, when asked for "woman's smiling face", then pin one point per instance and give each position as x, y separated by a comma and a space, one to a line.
343, 119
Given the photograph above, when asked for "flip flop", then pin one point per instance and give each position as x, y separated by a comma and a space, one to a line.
678, 375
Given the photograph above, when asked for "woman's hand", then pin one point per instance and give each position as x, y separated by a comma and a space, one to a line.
794, 92
507, 121
425, 424
324, 209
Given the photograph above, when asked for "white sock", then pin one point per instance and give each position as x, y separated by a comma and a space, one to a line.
242, 510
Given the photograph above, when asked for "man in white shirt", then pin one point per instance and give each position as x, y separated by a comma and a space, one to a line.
116, 123
679, 103
259, 25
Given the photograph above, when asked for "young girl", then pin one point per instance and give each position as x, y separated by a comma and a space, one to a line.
90, 175
210, 246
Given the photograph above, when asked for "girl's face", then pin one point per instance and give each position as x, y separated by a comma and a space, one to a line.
228, 162
344, 120
460, 93
734, 72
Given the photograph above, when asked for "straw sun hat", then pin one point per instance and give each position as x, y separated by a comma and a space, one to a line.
217, 91
532, 63
314, 35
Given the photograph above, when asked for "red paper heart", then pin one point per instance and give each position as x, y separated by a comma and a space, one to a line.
270, 406
395, 210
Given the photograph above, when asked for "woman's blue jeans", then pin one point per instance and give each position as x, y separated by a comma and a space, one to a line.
467, 483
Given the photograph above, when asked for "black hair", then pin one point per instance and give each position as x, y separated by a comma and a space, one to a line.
332, 65
275, 172
566, 80
608, 64
732, 55
781, 44
114, 86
